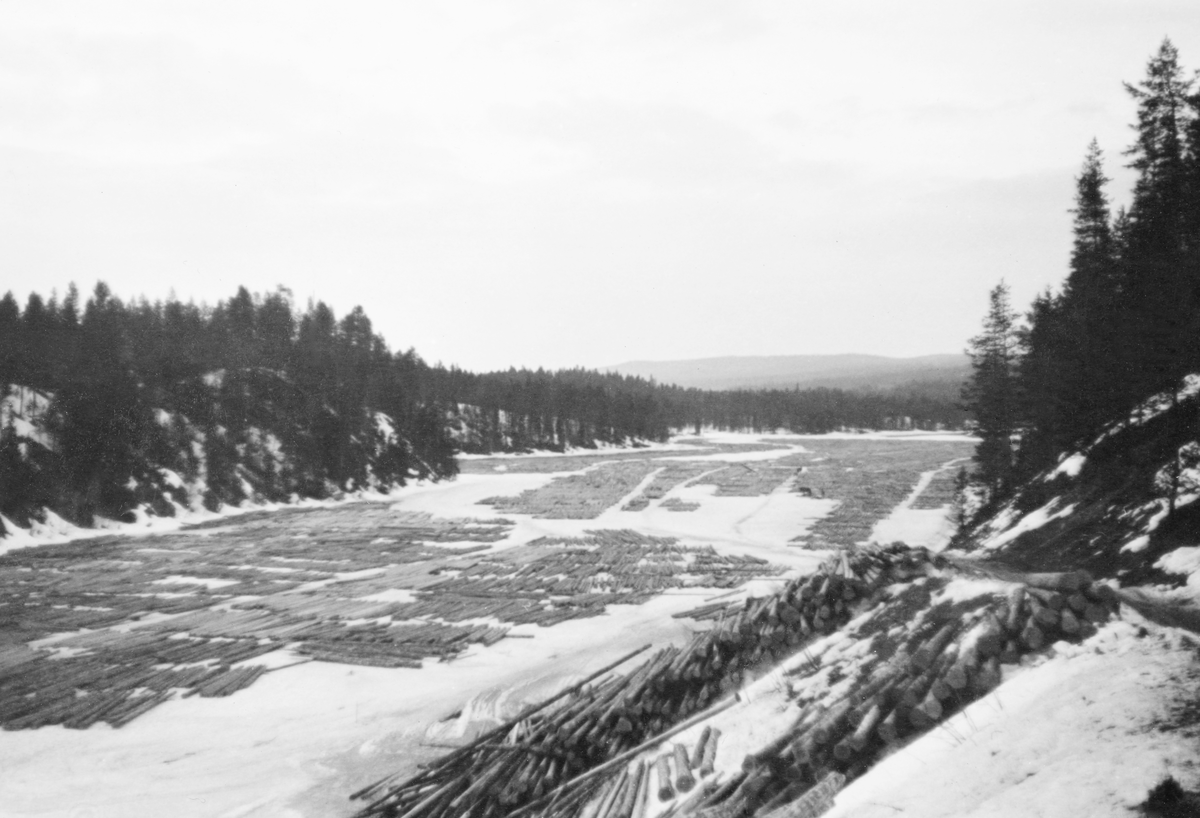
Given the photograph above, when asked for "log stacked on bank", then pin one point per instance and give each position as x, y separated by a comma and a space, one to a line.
622, 713
951, 659
857, 691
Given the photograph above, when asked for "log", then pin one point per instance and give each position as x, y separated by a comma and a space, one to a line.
665, 790
592, 808
1077, 602
605, 810
698, 751
450, 759
781, 799
1043, 615
1016, 599
776, 745
924, 657
958, 675
724, 790
889, 727
913, 693
1052, 599
1032, 636
862, 734
989, 638
624, 806
641, 803
932, 706
684, 781
988, 677
710, 753
831, 724
1103, 594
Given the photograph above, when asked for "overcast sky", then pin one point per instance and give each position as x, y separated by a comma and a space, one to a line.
570, 183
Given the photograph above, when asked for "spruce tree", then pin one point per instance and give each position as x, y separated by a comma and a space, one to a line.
1090, 308
990, 393
1159, 290
1163, 117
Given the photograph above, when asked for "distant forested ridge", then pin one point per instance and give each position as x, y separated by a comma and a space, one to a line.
845, 371
115, 408
1126, 321
523, 409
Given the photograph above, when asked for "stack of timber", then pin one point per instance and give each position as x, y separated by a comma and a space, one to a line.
399, 645
114, 677
910, 657
558, 578
579, 496
906, 666
663, 481
753, 479
868, 485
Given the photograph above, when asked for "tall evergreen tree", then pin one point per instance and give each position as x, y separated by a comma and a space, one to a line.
990, 393
1160, 288
1089, 376
1163, 115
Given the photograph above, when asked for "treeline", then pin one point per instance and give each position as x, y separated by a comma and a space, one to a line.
523, 409
1126, 322
171, 402
818, 410
167, 404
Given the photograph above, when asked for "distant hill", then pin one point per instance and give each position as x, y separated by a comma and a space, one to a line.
859, 372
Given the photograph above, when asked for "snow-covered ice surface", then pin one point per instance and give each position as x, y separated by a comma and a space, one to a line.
299, 740
931, 528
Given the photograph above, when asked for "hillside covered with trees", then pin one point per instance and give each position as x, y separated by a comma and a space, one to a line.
1126, 321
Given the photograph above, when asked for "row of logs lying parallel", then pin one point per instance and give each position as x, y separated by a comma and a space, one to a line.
618, 714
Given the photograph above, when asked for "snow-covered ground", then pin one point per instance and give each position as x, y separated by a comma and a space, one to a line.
300, 739
1087, 731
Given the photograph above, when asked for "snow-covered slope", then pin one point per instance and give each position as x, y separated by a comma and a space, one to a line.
246, 440
1122, 507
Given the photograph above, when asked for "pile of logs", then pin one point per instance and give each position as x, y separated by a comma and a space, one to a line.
666, 479
675, 504
550, 763
942, 666
575, 577
867, 485
619, 714
752, 480
579, 496
114, 676
399, 645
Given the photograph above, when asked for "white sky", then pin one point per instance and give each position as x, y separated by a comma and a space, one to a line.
570, 183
